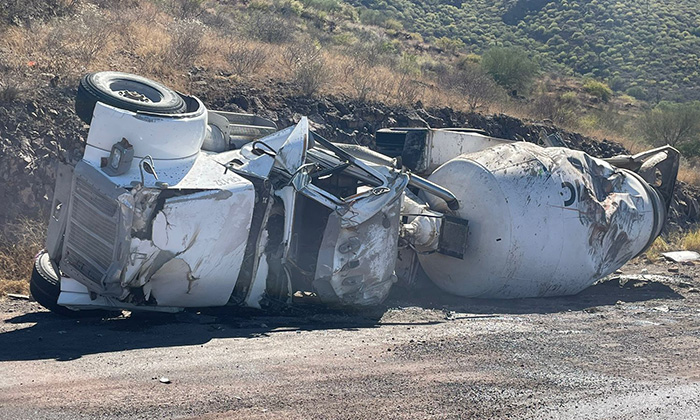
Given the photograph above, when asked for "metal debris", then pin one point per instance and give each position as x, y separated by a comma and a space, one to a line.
681, 256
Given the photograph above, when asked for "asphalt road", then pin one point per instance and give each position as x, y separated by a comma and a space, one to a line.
627, 348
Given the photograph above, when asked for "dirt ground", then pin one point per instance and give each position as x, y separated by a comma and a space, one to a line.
626, 348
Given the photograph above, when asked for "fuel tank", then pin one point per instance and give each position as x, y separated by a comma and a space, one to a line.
542, 221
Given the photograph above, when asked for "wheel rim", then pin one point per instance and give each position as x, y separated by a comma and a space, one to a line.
134, 91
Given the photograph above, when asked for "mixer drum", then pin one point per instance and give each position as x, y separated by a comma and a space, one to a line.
542, 221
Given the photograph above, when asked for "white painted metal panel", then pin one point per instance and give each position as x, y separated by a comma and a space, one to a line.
161, 137
206, 234
444, 145
542, 221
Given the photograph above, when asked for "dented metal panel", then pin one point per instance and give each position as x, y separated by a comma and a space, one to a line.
58, 217
151, 245
542, 221
204, 253
356, 263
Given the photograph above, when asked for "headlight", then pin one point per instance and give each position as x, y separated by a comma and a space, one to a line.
119, 160
115, 158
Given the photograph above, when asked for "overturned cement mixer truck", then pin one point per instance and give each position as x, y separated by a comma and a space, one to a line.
175, 206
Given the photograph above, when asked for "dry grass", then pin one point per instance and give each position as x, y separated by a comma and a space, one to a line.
691, 241
245, 59
689, 174
19, 242
142, 39
147, 39
166, 40
659, 246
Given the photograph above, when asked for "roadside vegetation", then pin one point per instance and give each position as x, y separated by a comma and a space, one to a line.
20, 241
678, 241
649, 49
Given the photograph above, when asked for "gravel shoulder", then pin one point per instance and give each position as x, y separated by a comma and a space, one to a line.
626, 348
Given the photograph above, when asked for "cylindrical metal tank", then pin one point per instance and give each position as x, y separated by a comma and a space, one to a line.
542, 221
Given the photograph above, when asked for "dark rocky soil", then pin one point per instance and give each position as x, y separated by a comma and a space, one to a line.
36, 133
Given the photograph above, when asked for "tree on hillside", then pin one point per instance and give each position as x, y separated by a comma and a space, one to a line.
449, 45
598, 89
677, 124
510, 67
476, 88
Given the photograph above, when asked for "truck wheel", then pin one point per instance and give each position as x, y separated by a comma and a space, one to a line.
125, 91
45, 287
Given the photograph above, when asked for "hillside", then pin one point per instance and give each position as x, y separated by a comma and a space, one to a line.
649, 48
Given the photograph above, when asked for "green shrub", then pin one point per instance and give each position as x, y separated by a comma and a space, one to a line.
638, 92
588, 122
468, 59
598, 89
345, 38
325, 5
560, 109
260, 5
510, 67
416, 36
372, 17
449, 45
616, 83
604, 38
290, 7
409, 65
677, 124
392, 24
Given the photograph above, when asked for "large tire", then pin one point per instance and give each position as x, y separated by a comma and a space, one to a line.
125, 91
45, 287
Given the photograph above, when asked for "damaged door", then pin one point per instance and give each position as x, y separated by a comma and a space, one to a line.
335, 217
